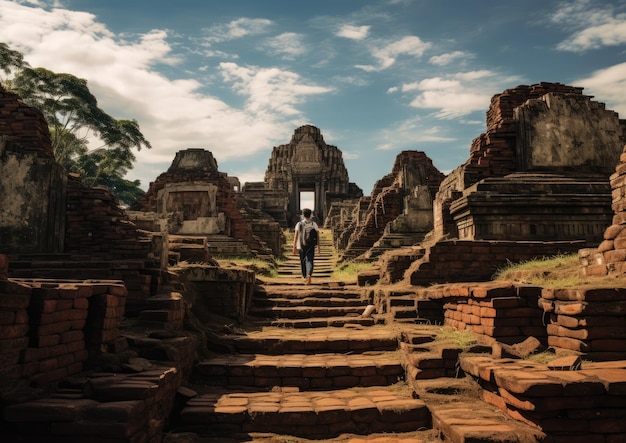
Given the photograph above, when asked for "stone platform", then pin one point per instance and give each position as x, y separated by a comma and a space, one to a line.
309, 414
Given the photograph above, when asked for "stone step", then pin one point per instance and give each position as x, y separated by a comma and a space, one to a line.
317, 340
296, 271
311, 414
324, 322
316, 275
335, 322
404, 312
304, 371
307, 294
319, 292
421, 436
472, 421
460, 415
330, 301
304, 312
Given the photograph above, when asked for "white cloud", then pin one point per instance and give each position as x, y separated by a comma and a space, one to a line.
446, 59
269, 89
350, 155
353, 32
172, 114
250, 175
411, 132
386, 147
475, 75
608, 85
388, 54
288, 44
350, 80
242, 27
367, 68
459, 94
591, 27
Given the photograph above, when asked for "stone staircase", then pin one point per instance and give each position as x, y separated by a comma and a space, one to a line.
311, 366
325, 260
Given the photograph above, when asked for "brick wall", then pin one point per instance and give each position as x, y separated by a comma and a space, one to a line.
25, 125
501, 311
609, 258
98, 228
569, 405
465, 260
588, 320
50, 328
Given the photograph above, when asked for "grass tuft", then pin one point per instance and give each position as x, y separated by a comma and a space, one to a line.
462, 339
261, 267
556, 272
350, 270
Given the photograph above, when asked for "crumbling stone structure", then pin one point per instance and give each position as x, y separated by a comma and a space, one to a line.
538, 173
73, 268
587, 320
194, 200
32, 184
51, 224
305, 164
399, 211
343, 217
609, 258
56, 327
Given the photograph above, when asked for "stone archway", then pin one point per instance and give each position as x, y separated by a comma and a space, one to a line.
305, 164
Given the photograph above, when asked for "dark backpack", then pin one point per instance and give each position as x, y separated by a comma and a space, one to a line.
309, 234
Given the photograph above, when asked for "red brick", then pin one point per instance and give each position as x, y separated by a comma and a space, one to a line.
568, 343
13, 331
496, 321
595, 270
590, 294
54, 328
48, 365
530, 384
14, 301
488, 312
4, 267
81, 303
613, 425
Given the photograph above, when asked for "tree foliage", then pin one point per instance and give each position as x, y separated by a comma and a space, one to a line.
10, 59
76, 122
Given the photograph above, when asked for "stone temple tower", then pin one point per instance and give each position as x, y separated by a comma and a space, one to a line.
305, 164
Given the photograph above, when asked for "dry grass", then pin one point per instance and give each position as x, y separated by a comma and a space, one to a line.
349, 271
555, 272
460, 339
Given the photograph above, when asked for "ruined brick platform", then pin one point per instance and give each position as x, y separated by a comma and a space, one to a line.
302, 371
586, 405
309, 414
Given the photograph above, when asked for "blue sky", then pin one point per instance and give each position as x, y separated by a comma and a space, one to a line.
237, 77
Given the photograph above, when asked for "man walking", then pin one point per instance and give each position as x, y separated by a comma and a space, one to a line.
305, 240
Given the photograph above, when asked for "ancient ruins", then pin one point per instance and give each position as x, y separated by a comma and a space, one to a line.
130, 325
306, 163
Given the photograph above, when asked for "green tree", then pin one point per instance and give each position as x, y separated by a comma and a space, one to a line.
75, 120
11, 60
